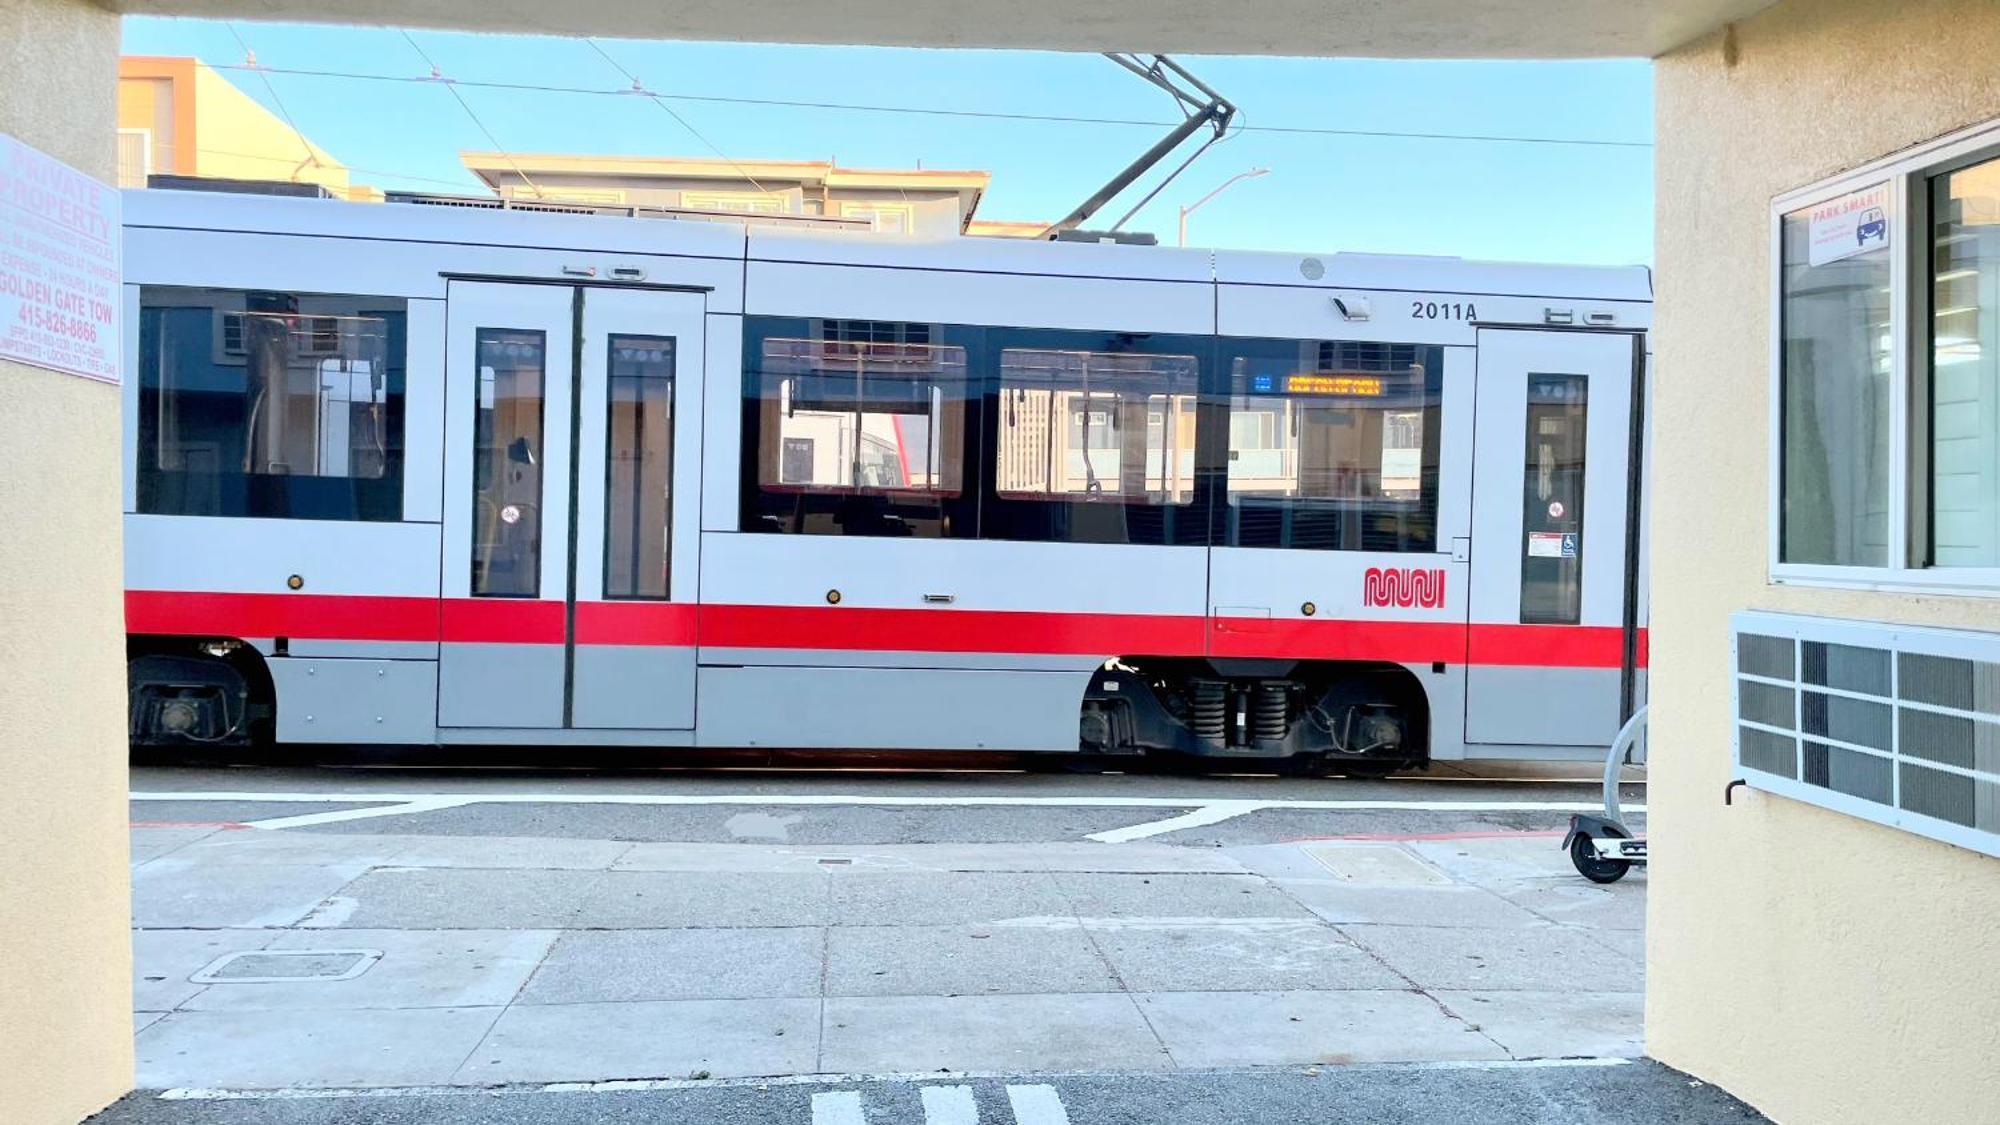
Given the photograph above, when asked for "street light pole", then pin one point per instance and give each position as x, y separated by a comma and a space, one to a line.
1190, 209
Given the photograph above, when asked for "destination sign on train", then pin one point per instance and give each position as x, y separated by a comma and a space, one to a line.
1318, 383
1328, 383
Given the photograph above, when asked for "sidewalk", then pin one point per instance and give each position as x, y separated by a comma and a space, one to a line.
321, 959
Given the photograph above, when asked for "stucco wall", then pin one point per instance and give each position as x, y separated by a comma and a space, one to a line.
65, 954
1823, 968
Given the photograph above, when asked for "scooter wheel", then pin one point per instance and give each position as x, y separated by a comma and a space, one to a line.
1583, 853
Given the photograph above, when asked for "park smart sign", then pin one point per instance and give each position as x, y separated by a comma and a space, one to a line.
60, 278
1855, 223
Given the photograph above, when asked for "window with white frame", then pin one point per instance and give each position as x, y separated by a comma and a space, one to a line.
1886, 359
735, 202
887, 218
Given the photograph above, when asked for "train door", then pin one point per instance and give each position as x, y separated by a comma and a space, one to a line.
1552, 636
572, 445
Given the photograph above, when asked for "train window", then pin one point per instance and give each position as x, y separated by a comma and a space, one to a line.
1094, 427
1333, 445
638, 471
1552, 553
507, 463
859, 430
270, 404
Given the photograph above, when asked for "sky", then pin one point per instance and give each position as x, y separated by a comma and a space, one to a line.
1323, 193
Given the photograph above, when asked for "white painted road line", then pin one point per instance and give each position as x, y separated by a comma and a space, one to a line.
841, 1107
950, 1105
1199, 818
1037, 1105
404, 809
253, 796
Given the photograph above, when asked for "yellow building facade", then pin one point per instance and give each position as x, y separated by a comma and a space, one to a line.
931, 202
179, 116
1820, 966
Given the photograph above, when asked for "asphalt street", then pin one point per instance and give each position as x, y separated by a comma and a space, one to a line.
1636, 1093
1027, 807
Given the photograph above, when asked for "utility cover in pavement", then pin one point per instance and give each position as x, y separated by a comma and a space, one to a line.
1382, 865
253, 966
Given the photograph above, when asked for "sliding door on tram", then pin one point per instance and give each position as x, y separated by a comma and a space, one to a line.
1553, 638
572, 448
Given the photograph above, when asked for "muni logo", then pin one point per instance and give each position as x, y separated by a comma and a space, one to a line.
1403, 586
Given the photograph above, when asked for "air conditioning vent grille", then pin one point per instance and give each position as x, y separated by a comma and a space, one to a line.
1894, 724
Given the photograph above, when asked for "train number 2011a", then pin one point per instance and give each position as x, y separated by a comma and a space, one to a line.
1443, 310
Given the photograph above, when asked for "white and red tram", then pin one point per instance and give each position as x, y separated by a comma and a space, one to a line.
408, 474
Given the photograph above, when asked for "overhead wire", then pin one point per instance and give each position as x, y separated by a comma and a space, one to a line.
263, 75
458, 184
639, 88
661, 98
452, 86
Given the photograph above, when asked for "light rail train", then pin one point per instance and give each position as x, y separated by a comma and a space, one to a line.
427, 475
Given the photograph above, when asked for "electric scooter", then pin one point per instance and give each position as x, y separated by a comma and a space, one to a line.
1601, 847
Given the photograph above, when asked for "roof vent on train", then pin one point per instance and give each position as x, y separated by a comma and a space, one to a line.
167, 182
564, 207
1116, 237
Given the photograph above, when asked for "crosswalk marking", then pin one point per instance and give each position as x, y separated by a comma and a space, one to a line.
1037, 1105
949, 1105
841, 1107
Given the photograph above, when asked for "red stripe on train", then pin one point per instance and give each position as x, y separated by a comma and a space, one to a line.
1402, 642
857, 628
1556, 646
503, 621
635, 623
326, 616
947, 630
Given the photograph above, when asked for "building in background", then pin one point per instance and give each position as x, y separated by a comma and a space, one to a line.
178, 117
936, 203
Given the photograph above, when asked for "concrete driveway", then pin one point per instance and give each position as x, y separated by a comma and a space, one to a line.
362, 941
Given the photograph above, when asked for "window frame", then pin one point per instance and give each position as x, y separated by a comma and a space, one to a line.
725, 202
402, 464
673, 346
955, 513
1191, 391
1907, 175
873, 212
1229, 506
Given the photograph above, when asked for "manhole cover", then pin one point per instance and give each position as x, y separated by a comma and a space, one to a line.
269, 966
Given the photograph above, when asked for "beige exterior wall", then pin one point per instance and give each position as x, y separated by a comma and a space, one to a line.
198, 123
1823, 968
65, 951
240, 139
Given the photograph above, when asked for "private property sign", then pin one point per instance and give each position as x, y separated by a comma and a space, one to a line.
60, 283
